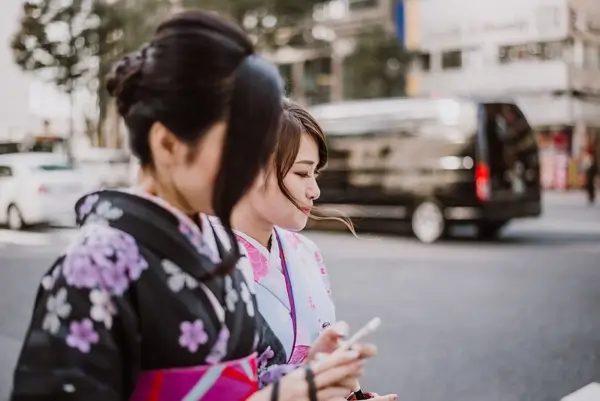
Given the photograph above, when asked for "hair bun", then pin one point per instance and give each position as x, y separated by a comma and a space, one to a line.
123, 81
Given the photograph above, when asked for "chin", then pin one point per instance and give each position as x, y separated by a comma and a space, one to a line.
297, 224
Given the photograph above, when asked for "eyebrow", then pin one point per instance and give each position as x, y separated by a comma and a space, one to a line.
307, 162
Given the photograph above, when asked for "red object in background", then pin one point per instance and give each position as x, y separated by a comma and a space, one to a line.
482, 181
561, 160
547, 167
554, 160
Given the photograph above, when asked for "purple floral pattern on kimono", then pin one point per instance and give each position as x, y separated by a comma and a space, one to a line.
193, 335
104, 258
82, 335
99, 304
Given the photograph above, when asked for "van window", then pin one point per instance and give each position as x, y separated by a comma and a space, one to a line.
6, 148
5, 171
511, 145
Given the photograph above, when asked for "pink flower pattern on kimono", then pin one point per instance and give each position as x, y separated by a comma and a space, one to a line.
311, 302
299, 354
320, 262
88, 205
263, 359
219, 349
258, 261
82, 335
192, 335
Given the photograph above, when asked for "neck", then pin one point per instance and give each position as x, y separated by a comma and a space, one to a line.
247, 221
147, 183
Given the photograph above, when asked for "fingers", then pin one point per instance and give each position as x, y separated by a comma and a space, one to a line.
332, 393
389, 397
365, 350
329, 339
335, 359
347, 373
339, 329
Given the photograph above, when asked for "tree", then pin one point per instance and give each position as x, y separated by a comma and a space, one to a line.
125, 26
55, 40
272, 24
377, 67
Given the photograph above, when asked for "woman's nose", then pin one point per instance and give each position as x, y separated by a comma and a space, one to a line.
313, 192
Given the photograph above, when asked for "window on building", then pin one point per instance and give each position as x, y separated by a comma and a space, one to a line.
452, 59
533, 51
424, 61
317, 80
362, 4
5, 172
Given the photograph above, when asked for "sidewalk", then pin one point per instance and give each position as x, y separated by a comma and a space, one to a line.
564, 212
567, 198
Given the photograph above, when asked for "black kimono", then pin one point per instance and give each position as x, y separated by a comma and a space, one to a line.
125, 314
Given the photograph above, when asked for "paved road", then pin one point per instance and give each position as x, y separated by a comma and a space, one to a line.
515, 320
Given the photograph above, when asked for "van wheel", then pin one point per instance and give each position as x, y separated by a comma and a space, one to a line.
428, 222
14, 218
490, 230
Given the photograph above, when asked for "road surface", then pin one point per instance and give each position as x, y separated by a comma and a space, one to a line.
514, 320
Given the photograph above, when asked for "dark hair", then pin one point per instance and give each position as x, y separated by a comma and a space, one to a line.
297, 121
197, 70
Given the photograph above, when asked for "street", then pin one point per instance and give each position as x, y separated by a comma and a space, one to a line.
512, 320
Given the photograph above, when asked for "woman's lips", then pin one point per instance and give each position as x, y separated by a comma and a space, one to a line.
306, 210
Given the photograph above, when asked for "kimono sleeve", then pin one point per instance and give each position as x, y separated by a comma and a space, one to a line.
79, 342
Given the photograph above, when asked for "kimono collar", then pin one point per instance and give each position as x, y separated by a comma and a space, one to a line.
141, 209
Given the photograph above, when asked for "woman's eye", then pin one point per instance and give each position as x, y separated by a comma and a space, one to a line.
303, 175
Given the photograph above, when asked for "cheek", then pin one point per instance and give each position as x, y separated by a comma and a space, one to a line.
295, 187
275, 207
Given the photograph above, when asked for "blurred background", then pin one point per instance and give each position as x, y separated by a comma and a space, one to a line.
464, 138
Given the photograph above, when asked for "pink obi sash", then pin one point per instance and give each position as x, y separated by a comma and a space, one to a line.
231, 381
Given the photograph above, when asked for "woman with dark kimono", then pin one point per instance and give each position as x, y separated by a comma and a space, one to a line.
146, 304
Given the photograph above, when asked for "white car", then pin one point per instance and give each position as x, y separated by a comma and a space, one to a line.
38, 188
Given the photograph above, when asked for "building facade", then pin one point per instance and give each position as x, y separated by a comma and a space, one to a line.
544, 53
315, 74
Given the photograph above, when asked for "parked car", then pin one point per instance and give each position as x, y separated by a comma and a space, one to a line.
107, 168
39, 188
431, 162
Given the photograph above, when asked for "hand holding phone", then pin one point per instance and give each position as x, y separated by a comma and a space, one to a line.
367, 329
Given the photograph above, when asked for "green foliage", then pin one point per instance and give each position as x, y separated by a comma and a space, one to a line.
378, 66
272, 23
53, 38
74, 43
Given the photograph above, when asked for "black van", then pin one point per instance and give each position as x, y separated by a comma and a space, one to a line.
432, 162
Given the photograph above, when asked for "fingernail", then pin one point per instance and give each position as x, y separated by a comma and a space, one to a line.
341, 328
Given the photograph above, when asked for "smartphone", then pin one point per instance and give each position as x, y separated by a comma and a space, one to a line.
362, 332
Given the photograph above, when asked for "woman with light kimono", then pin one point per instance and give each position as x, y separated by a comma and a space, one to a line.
147, 304
292, 286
